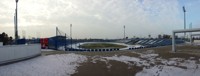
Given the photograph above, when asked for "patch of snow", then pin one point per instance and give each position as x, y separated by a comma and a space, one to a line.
191, 64
172, 63
123, 58
51, 65
177, 59
192, 57
168, 71
163, 71
95, 58
127, 60
47, 50
149, 55
172, 67
109, 66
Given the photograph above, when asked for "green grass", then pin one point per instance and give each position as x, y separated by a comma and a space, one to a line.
101, 45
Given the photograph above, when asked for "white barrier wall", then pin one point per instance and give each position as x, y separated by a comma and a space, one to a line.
1, 44
18, 52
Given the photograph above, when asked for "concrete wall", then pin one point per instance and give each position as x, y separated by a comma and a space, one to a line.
12, 53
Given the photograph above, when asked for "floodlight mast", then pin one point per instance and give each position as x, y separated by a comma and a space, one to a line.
16, 22
184, 20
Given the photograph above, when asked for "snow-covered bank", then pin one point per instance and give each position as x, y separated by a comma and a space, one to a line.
51, 65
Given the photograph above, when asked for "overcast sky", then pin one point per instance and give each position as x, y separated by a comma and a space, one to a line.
98, 18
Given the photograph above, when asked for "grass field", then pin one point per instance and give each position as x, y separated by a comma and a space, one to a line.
101, 45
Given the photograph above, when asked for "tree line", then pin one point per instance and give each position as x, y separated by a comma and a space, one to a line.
6, 39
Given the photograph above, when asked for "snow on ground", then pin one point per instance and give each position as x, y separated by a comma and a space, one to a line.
127, 60
148, 55
151, 67
168, 71
51, 65
47, 50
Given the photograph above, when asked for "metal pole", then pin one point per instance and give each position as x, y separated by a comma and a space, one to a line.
191, 34
15, 23
65, 41
184, 24
184, 20
16, 20
56, 40
124, 32
71, 34
173, 42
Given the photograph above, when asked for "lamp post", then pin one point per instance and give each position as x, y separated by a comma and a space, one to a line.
16, 22
184, 20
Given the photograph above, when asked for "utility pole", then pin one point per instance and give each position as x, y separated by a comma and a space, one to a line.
16, 22
184, 20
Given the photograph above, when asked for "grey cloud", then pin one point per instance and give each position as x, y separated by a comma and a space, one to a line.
100, 18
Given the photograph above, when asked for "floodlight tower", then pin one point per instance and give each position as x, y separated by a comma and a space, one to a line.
184, 20
16, 22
